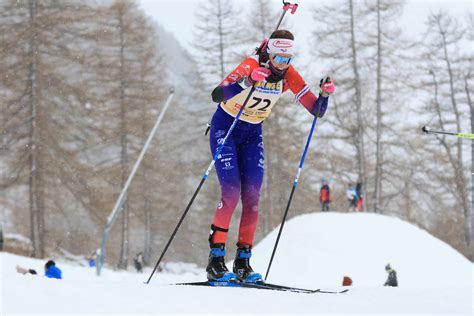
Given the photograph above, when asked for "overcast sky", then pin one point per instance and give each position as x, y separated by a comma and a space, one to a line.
177, 16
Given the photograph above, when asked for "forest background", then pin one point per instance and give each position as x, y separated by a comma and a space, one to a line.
83, 82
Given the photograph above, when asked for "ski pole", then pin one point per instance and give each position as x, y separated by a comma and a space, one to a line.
295, 184
286, 6
428, 130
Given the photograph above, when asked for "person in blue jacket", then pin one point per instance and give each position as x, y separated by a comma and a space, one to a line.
51, 271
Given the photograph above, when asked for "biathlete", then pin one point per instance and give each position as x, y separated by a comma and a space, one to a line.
240, 165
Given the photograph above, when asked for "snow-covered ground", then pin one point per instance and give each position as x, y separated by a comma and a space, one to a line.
316, 250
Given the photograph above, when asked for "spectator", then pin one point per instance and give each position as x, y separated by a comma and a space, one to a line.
25, 271
359, 205
91, 259
351, 197
324, 195
1, 238
51, 271
392, 276
138, 262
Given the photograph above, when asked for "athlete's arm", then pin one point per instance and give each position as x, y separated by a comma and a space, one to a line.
303, 94
230, 86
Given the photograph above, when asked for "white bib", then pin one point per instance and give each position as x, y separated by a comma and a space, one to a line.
259, 105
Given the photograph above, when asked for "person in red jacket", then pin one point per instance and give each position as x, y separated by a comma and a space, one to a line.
360, 197
240, 165
324, 195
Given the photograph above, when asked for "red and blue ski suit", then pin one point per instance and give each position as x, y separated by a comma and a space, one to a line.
240, 166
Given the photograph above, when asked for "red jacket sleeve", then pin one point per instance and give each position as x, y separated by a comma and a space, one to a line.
244, 69
296, 84
229, 87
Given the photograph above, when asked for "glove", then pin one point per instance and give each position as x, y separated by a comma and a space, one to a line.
260, 74
326, 87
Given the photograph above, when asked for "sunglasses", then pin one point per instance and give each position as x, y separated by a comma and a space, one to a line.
282, 60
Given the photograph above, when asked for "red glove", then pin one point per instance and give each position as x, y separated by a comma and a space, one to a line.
260, 74
327, 87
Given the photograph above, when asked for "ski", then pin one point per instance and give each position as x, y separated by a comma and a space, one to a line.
276, 287
210, 283
262, 286
333, 292
296, 289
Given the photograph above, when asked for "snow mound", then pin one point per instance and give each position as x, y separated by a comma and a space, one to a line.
316, 250
322, 248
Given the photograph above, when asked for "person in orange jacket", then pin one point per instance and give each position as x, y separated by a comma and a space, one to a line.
324, 195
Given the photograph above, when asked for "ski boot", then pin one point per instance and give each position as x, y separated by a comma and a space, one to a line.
242, 268
216, 269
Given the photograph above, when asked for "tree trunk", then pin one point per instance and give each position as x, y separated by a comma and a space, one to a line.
123, 143
35, 195
378, 102
469, 225
146, 197
358, 102
147, 246
461, 181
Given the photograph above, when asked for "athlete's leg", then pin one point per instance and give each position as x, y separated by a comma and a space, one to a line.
251, 162
228, 173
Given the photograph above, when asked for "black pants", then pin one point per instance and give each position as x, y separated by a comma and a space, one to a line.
325, 207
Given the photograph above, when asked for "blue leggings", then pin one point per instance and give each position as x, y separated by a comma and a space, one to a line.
240, 169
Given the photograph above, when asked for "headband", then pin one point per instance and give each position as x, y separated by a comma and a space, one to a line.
281, 46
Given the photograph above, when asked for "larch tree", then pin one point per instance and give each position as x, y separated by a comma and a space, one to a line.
131, 76
446, 164
45, 93
338, 42
216, 39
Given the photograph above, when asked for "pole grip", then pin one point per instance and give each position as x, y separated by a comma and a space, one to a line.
290, 6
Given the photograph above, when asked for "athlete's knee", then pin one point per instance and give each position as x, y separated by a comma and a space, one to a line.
251, 198
230, 198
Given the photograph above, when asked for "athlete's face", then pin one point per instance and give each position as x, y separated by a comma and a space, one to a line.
281, 61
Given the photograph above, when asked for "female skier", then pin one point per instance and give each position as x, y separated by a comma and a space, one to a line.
240, 165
